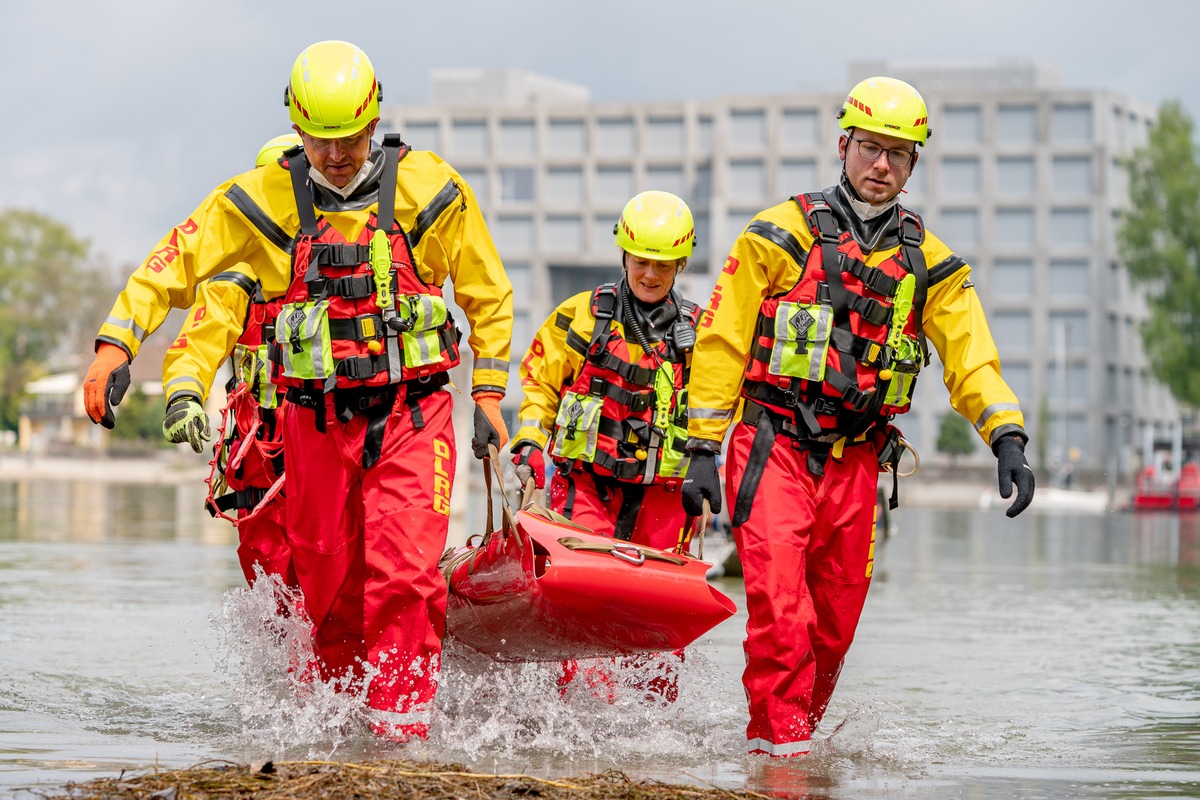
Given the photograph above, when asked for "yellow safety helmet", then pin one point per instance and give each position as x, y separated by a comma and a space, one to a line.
656, 225
332, 92
887, 106
273, 149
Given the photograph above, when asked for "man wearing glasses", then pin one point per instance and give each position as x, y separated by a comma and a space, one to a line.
851, 292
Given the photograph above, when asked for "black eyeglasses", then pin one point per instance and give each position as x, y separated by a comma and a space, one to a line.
870, 151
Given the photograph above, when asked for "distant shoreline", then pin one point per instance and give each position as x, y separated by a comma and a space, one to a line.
181, 468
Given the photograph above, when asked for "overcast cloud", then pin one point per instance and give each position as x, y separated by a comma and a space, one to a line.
120, 116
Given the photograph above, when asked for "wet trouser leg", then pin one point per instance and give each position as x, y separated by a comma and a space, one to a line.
366, 545
806, 553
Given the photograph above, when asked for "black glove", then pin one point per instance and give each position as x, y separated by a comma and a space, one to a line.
1012, 467
702, 483
485, 434
114, 392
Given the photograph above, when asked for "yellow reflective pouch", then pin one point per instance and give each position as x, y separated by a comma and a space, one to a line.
302, 331
424, 315
801, 340
577, 426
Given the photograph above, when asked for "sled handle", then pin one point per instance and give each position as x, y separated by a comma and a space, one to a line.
690, 526
508, 522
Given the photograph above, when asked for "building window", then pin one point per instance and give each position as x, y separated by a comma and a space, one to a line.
422, 135
518, 138
1071, 123
960, 176
963, 124
1071, 226
564, 186
516, 184
1072, 174
1015, 176
748, 130
702, 191
704, 134
799, 128
960, 226
1016, 124
747, 180
564, 234
522, 282
470, 138
702, 234
1069, 330
477, 179
666, 179
568, 280
1014, 227
737, 221
1070, 278
1013, 278
604, 234
1070, 385
614, 137
796, 176
1018, 376
614, 185
513, 234
567, 137
1011, 330
664, 136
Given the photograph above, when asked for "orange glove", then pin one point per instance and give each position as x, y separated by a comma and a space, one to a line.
489, 423
106, 383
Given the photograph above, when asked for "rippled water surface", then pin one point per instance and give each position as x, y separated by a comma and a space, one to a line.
1047, 656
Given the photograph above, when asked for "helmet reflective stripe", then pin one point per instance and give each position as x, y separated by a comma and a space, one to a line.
887, 106
656, 225
332, 91
273, 149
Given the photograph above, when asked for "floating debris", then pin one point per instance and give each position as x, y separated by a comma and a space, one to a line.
313, 780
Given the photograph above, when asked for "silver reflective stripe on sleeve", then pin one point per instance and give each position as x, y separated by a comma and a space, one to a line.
129, 325
992, 410
497, 364
710, 413
188, 379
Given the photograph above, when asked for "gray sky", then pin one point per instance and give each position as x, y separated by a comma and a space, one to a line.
120, 116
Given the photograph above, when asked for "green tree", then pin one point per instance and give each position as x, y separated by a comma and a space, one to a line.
1159, 242
956, 437
48, 290
141, 419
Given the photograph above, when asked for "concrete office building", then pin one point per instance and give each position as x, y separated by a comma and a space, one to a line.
1022, 177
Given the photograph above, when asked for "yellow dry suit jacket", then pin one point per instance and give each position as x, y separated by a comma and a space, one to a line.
953, 322
246, 226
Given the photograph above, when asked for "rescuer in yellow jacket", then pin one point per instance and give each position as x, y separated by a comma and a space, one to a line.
358, 239
605, 384
850, 292
246, 484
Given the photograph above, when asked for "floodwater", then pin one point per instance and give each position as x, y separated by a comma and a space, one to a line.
1042, 657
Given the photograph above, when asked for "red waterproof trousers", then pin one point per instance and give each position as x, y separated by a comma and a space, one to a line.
660, 517
366, 544
807, 553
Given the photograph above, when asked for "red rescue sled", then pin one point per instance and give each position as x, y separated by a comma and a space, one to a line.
545, 589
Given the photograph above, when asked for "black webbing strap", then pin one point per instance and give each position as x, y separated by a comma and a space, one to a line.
298, 168
756, 463
386, 213
912, 235
631, 503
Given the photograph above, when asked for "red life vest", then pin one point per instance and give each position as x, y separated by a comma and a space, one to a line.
340, 326
841, 349
626, 419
